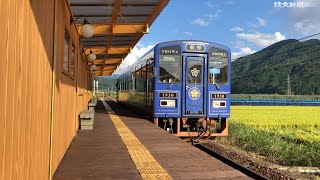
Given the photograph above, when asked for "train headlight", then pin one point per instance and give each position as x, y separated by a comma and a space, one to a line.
216, 104
167, 103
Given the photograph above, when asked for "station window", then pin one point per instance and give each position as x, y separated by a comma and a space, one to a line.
72, 60
69, 56
66, 53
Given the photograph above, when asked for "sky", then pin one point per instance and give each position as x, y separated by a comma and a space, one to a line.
245, 26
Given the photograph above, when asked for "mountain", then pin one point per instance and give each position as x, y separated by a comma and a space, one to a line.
107, 83
269, 70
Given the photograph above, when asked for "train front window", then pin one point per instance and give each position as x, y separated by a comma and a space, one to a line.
218, 66
169, 69
170, 64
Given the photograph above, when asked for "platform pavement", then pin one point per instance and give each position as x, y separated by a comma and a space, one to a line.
101, 154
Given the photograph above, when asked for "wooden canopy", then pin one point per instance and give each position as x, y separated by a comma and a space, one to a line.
118, 26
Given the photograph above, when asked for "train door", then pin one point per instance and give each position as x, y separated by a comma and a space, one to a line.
194, 86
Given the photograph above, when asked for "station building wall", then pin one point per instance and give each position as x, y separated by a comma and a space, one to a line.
39, 99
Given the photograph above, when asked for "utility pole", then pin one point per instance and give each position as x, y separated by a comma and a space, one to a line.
289, 85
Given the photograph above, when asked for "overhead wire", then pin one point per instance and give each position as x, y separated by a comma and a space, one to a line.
291, 64
275, 46
268, 48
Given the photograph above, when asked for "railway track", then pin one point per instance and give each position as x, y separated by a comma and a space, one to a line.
230, 162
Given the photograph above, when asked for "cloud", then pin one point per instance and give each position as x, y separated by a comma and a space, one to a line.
261, 39
209, 4
135, 54
230, 2
307, 27
305, 20
188, 33
243, 52
215, 14
236, 29
201, 22
259, 22
139, 44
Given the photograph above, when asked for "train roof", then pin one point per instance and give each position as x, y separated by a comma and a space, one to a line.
169, 42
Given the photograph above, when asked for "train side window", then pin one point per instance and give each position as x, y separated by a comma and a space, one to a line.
124, 82
150, 69
132, 79
141, 70
144, 71
136, 75
121, 83
127, 82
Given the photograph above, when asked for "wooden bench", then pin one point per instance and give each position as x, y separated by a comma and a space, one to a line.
92, 104
86, 119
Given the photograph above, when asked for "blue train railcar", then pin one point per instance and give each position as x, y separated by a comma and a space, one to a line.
183, 85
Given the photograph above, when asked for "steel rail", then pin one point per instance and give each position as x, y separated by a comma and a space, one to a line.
231, 163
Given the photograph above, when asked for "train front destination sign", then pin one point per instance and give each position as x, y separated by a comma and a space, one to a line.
195, 47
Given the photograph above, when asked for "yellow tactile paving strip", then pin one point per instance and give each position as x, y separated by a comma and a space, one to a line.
147, 166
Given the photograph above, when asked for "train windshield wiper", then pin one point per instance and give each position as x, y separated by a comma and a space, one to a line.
217, 86
175, 79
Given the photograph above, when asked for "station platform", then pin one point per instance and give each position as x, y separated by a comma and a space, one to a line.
123, 145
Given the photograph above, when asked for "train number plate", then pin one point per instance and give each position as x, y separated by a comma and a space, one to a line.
167, 95
218, 96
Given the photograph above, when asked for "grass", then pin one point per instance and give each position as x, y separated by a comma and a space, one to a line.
286, 135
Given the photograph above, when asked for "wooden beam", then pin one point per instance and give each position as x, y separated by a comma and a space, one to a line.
118, 29
99, 68
99, 61
96, 50
116, 12
107, 73
118, 50
112, 61
108, 68
111, 50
